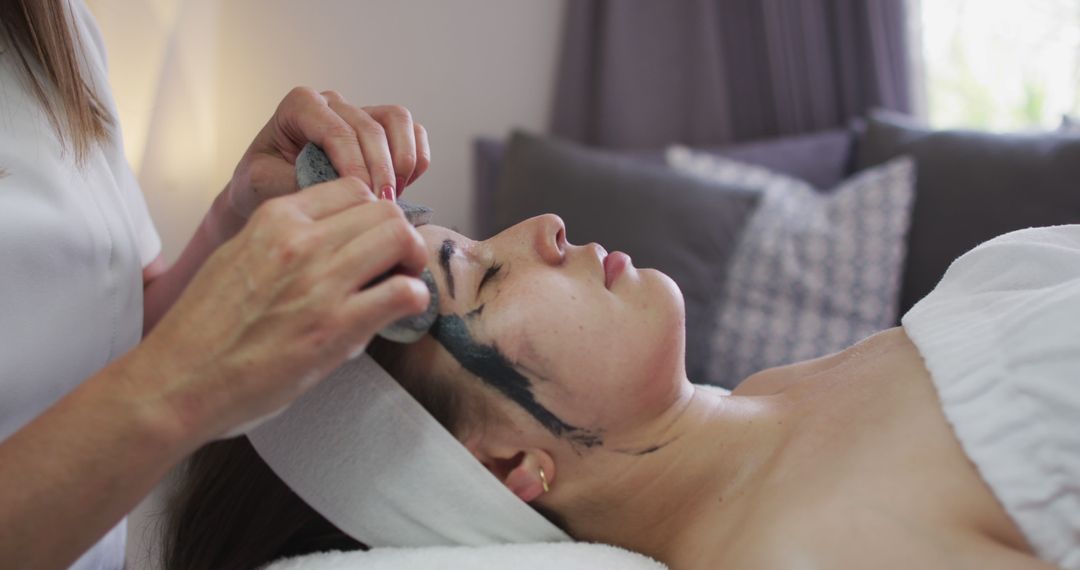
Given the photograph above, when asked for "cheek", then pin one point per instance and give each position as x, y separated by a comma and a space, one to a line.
652, 337
602, 361
548, 326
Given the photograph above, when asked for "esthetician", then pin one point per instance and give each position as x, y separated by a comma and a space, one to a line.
115, 365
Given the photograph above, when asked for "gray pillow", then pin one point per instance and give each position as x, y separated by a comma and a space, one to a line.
973, 186
679, 224
822, 159
814, 272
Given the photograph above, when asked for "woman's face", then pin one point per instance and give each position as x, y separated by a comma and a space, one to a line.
597, 345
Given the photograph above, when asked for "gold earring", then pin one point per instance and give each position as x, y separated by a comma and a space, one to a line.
543, 480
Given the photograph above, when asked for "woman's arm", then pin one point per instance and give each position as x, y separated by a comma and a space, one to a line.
381, 145
256, 319
271, 313
76, 470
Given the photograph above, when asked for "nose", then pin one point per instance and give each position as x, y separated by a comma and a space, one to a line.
549, 235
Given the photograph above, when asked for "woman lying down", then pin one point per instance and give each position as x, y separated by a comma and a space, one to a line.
950, 442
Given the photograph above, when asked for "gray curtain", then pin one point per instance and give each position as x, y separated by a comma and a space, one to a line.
645, 73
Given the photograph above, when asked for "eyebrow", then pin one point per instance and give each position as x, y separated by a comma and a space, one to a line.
445, 251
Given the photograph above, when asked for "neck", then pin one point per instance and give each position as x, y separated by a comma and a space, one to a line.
710, 449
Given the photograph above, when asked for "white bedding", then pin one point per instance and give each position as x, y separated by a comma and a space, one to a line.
1000, 335
548, 556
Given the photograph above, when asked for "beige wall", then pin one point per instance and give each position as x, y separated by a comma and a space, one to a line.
465, 68
196, 79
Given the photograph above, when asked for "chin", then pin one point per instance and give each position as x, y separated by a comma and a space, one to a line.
666, 300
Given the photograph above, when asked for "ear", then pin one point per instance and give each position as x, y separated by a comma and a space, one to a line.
517, 467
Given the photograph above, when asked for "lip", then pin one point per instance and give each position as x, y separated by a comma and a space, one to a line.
601, 255
615, 264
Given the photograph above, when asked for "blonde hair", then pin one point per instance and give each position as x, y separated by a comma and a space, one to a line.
41, 33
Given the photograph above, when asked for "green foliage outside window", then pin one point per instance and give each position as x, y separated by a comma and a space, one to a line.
1001, 64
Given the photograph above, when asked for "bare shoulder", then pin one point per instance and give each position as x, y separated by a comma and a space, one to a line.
873, 477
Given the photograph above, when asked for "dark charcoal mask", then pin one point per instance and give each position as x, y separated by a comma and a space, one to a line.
487, 363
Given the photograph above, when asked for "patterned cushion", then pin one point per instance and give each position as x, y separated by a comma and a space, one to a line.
814, 271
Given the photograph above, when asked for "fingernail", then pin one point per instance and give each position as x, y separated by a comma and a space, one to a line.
400, 185
387, 193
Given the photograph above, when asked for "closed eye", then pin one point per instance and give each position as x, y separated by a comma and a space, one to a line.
491, 272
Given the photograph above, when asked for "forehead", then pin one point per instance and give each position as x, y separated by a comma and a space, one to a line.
434, 235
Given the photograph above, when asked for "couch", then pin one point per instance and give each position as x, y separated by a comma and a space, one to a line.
970, 186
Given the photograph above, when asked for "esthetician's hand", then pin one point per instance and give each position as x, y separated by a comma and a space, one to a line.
382, 146
281, 305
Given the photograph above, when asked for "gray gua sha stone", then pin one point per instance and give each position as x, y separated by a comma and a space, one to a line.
313, 167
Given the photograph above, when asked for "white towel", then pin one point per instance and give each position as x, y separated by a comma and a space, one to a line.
1000, 335
365, 455
549, 556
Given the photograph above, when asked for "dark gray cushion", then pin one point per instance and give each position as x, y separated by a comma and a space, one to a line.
679, 224
823, 159
972, 186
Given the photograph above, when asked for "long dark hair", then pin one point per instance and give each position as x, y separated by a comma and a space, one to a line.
231, 512
41, 34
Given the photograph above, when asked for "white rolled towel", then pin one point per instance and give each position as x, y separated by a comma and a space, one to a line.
561, 555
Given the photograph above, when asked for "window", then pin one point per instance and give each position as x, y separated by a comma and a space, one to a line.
1001, 64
